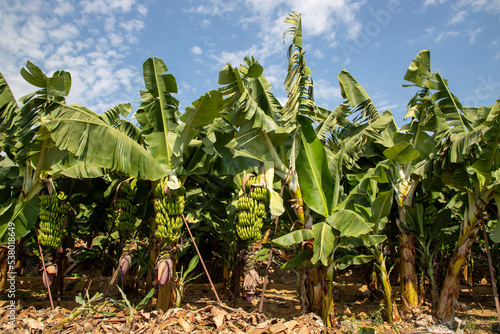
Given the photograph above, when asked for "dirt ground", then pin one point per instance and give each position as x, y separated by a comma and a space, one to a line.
200, 313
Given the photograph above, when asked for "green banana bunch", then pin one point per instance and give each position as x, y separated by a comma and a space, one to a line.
251, 210
430, 210
54, 212
169, 207
125, 208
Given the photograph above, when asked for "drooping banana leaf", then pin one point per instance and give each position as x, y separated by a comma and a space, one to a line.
83, 133
324, 241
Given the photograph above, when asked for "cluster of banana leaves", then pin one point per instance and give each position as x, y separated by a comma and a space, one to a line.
356, 184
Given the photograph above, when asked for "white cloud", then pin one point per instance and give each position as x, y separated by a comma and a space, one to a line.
142, 9
326, 92
83, 38
433, 2
458, 17
215, 7
472, 34
106, 6
132, 25
115, 39
65, 31
480, 5
318, 53
63, 8
196, 50
387, 105
110, 23
446, 34
205, 23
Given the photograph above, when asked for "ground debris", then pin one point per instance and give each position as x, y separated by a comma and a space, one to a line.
210, 319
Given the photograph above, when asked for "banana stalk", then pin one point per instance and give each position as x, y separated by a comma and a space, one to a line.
405, 189
392, 314
409, 284
470, 226
328, 306
169, 207
165, 269
251, 209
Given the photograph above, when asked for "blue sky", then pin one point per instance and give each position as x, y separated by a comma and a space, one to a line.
104, 43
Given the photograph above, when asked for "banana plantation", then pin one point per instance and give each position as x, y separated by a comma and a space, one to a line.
158, 198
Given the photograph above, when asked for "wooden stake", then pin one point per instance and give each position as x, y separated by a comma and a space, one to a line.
201, 260
44, 270
270, 257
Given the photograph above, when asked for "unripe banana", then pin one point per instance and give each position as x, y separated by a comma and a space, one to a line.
169, 209
54, 210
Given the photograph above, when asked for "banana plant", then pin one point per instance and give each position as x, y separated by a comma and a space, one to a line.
372, 203
173, 141
412, 145
465, 158
430, 220
47, 139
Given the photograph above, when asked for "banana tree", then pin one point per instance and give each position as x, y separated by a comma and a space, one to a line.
172, 141
431, 221
408, 153
372, 204
465, 158
37, 140
158, 116
48, 139
476, 174
313, 169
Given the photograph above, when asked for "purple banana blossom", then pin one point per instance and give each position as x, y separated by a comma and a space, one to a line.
124, 264
164, 268
49, 275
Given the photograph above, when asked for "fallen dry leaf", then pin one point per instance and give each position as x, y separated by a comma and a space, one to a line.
167, 323
258, 331
279, 327
304, 330
290, 325
34, 324
235, 329
263, 324
184, 324
219, 320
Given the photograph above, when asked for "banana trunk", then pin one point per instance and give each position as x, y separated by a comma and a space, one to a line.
153, 254
408, 277
470, 226
328, 305
316, 283
451, 287
3, 267
392, 314
409, 284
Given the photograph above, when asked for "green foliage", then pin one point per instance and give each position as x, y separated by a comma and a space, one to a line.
342, 168
315, 178
132, 309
